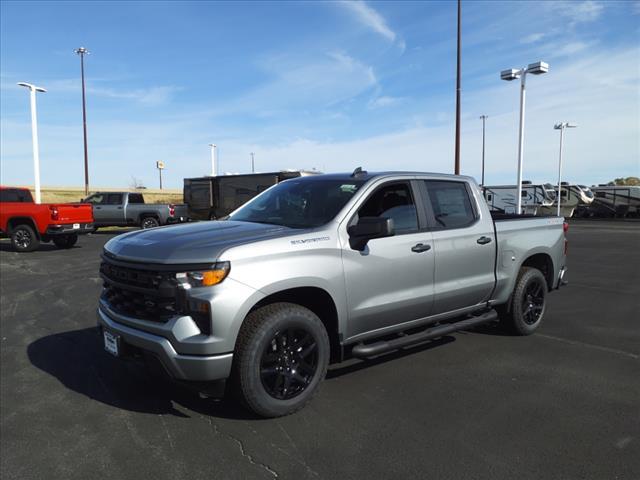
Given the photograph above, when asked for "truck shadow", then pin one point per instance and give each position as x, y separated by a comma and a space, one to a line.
76, 358
43, 247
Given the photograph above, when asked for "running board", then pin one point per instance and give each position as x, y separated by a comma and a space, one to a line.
369, 350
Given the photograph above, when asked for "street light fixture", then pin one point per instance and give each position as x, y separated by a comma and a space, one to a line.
82, 52
537, 68
34, 134
561, 127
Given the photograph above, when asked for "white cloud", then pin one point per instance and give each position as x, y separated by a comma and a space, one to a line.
373, 20
369, 17
577, 12
384, 101
533, 38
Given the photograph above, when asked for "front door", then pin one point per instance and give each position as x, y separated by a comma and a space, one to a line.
391, 281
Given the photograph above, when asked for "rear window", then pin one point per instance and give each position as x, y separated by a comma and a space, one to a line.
15, 195
451, 204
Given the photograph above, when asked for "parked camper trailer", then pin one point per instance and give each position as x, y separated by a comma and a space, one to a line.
572, 197
502, 198
613, 201
211, 198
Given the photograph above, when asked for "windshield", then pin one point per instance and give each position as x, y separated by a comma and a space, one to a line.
299, 203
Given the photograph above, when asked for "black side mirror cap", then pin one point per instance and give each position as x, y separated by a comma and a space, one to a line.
369, 228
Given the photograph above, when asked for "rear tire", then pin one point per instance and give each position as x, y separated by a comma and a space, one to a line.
149, 222
24, 238
281, 357
525, 311
65, 241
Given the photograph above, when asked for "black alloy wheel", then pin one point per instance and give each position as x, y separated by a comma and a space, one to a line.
289, 363
149, 222
533, 302
24, 238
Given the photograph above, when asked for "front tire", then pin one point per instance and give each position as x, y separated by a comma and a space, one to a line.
65, 241
281, 358
149, 222
525, 310
24, 238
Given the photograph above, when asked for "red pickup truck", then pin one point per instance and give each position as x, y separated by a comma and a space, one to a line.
28, 223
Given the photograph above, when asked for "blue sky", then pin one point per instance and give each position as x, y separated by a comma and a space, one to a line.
325, 85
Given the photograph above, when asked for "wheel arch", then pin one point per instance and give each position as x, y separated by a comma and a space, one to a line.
15, 221
320, 302
544, 263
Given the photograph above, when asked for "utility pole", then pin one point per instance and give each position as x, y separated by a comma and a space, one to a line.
253, 165
34, 135
82, 52
457, 160
483, 118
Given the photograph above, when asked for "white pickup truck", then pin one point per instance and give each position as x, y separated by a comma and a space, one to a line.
317, 269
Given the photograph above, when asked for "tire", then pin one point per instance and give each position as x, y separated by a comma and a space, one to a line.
65, 241
525, 311
282, 353
24, 238
149, 222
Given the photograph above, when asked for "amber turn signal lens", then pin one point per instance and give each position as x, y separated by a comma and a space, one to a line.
213, 277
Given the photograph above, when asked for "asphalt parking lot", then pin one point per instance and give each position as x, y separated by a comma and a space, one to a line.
563, 403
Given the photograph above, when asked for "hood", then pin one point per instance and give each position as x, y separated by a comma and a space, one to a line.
199, 242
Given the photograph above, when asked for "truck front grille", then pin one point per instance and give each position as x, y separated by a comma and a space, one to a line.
139, 293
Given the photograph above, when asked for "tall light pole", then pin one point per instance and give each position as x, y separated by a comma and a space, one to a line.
561, 126
483, 118
34, 134
82, 52
458, 71
253, 163
214, 159
537, 68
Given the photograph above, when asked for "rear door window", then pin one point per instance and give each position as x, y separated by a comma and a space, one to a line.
15, 195
136, 198
451, 204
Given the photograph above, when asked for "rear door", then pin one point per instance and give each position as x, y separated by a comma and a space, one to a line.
113, 209
464, 246
391, 281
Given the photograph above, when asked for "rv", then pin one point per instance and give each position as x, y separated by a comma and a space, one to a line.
502, 198
614, 201
210, 198
572, 196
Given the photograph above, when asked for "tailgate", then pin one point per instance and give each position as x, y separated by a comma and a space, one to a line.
74, 212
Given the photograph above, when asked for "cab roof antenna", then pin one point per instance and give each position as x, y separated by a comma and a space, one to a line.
358, 172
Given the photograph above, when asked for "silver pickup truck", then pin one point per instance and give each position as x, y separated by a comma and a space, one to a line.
319, 269
128, 209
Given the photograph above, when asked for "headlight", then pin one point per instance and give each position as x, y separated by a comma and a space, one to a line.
205, 278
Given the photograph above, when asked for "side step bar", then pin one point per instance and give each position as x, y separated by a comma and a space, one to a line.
369, 350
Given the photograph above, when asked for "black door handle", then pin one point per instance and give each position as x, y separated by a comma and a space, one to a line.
484, 240
97, 208
119, 208
421, 247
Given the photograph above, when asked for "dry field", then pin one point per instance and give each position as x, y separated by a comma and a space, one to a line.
74, 194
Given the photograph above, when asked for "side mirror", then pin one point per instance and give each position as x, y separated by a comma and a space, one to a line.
367, 229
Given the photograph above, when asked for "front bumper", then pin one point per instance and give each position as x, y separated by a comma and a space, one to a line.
199, 368
67, 228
